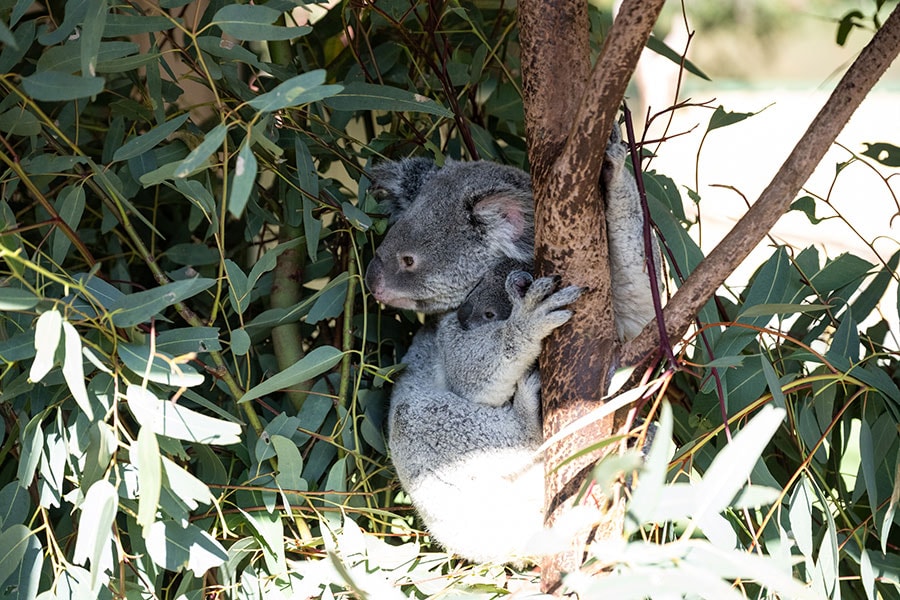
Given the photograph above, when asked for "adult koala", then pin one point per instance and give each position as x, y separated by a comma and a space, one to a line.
468, 465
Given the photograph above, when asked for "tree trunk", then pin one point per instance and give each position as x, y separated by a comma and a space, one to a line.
566, 153
568, 119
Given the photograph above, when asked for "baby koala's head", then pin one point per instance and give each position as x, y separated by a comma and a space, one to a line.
492, 299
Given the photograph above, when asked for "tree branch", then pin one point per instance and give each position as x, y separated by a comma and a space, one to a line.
702, 284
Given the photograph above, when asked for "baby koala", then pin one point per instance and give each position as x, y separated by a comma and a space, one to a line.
491, 343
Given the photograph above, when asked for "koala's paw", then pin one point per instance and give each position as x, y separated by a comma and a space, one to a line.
528, 395
542, 310
614, 160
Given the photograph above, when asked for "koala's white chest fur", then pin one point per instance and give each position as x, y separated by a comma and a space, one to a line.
485, 507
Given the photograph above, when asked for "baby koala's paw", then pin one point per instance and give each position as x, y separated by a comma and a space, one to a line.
542, 310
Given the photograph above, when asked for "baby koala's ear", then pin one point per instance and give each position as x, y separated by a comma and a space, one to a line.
398, 182
517, 283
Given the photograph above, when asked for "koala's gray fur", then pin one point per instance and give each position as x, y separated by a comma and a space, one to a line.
490, 300
462, 450
484, 364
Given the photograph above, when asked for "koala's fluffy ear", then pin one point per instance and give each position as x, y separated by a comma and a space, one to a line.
397, 182
509, 215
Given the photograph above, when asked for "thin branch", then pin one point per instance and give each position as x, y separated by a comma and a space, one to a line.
856, 84
613, 70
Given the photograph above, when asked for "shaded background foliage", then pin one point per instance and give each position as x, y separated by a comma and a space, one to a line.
193, 385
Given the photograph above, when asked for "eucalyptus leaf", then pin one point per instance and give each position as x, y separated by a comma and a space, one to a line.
170, 419
142, 143
70, 206
199, 155
17, 299
732, 466
312, 365
296, 91
329, 304
252, 22
94, 543
140, 307
13, 544
244, 178
47, 333
370, 96
162, 369
53, 86
73, 369
145, 454
173, 547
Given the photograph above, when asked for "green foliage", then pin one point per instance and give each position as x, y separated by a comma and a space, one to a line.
194, 382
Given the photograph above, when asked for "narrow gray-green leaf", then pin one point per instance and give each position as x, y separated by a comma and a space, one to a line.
141, 306
91, 34
73, 369
51, 86
252, 22
307, 176
731, 468
312, 229
238, 287
98, 511
119, 25
329, 305
660, 47
30, 450
243, 180
370, 96
47, 333
296, 91
312, 365
142, 143
172, 547
356, 217
13, 543
145, 454
19, 121
867, 464
290, 464
188, 339
201, 153
70, 206
17, 299
782, 308
173, 420
162, 369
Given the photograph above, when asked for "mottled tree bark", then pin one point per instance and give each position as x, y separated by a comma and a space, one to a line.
569, 113
568, 117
